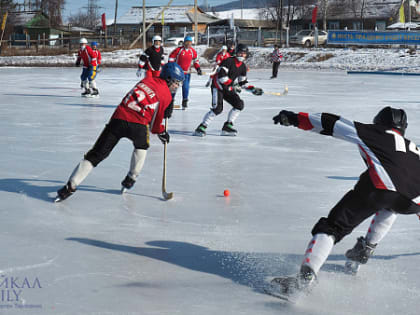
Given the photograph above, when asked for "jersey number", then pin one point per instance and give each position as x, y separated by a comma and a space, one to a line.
400, 143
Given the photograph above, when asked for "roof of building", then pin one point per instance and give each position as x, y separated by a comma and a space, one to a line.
173, 14
246, 23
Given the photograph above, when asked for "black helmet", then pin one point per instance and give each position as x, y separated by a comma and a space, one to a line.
392, 118
242, 48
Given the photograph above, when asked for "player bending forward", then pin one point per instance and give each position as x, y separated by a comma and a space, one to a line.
230, 70
388, 187
145, 105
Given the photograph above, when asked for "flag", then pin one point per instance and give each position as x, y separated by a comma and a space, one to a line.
3, 24
314, 14
163, 17
402, 16
103, 21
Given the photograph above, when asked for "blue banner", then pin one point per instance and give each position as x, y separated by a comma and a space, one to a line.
373, 38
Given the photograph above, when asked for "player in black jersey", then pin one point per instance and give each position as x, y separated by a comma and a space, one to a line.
388, 187
224, 87
152, 60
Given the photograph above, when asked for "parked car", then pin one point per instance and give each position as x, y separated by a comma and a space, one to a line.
216, 36
176, 39
307, 38
247, 37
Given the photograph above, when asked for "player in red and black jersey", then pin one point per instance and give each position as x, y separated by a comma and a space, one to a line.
389, 186
227, 83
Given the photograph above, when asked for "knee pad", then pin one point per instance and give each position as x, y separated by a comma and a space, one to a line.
94, 158
326, 227
239, 105
217, 110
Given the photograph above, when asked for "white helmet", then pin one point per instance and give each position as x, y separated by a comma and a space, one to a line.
83, 41
155, 38
224, 47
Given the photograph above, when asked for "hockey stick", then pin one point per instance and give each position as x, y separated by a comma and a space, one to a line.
165, 195
286, 90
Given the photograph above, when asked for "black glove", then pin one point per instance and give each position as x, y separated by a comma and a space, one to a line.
257, 91
169, 110
77, 63
199, 72
286, 118
164, 137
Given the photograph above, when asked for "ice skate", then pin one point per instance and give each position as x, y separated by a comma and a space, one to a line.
228, 129
65, 192
127, 184
184, 104
200, 131
95, 92
358, 255
87, 93
289, 288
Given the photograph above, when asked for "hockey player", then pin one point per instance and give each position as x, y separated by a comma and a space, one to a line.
184, 56
95, 62
152, 59
388, 187
85, 54
222, 55
223, 88
145, 105
276, 58
231, 48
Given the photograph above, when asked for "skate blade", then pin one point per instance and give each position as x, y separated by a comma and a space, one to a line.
123, 190
228, 134
351, 267
57, 199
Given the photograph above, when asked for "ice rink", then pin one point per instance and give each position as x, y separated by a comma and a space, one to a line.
201, 253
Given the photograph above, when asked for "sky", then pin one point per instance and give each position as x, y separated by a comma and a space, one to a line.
108, 6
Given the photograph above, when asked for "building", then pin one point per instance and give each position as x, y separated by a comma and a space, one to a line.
355, 15
175, 20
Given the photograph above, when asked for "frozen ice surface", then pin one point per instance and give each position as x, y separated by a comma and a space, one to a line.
200, 253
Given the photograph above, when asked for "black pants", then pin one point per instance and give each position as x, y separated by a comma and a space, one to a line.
276, 68
113, 132
229, 96
359, 204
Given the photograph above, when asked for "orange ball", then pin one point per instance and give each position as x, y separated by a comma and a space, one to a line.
226, 193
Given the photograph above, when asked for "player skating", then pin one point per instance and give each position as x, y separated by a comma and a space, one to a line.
389, 186
231, 70
276, 57
85, 55
95, 62
145, 105
152, 60
222, 55
184, 56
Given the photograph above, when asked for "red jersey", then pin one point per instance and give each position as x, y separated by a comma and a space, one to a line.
145, 104
96, 59
86, 55
221, 56
184, 57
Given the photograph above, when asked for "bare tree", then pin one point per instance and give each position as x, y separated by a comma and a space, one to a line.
79, 19
358, 8
324, 7
53, 8
89, 18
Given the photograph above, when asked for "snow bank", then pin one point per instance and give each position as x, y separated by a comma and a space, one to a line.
295, 58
